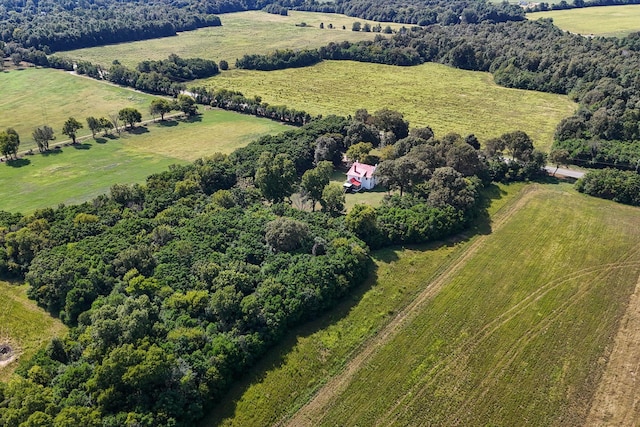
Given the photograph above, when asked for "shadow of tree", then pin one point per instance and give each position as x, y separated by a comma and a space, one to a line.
138, 130
82, 146
167, 123
18, 163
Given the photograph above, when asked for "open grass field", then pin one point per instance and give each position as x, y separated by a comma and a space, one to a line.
23, 326
445, 98
616, 21
513, 327
75, 174
241, 33
34, 97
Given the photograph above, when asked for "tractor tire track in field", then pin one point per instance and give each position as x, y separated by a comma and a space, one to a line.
617, 399
507, 360
310, 413
463, 351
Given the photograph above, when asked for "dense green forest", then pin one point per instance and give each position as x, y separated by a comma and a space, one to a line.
600, 73
421, 12
173, 288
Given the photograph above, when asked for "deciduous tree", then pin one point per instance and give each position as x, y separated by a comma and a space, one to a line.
71, 127
160, 106
130, 116
42, 136
275, 176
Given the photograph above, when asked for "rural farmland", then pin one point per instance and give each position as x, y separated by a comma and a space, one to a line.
75, 174
610, 21
460, 342
241, 33
444, 98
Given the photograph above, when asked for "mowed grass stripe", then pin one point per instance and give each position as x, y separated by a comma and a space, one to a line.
616, 21
34, 97
79, 173
516, 336
447, 99
23, 325
252, 32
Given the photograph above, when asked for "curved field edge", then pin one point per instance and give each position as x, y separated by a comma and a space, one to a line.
289, 375
252, 32
614, 20
445, 98
75, 174
23, 326
528, 315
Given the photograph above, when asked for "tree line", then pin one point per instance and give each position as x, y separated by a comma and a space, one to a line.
600, 73
420, 12
50, 26
175, 287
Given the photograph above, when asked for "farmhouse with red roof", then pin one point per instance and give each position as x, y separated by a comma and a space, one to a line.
361, 176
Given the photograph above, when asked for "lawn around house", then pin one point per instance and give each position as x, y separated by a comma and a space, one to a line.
445, 98
252, 32
614, 21
507, 328
79, 173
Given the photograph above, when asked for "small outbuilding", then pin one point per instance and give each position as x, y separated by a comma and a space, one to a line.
360, 176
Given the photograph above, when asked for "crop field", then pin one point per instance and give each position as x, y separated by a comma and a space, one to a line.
241, 33
616, 21
34, 97
78, 173
445, 98
513, 327
24, 327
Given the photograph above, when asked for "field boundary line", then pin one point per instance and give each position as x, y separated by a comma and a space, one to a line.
617, 397
308, 415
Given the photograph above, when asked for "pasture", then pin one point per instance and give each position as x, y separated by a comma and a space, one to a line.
445, 98
34, 97
23, 326
614, 21
513, 327
252, 32
74, 174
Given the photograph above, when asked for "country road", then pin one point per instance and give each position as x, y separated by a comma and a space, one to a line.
564, 172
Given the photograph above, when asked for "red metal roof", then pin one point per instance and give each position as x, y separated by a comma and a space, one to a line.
354, 181
361, 170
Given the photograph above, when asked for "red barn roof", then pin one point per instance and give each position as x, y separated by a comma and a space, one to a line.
361, 170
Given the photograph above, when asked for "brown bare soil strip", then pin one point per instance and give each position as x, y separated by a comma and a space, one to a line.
309, 414
617, 400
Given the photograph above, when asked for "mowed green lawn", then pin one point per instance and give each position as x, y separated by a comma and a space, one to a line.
241, 33
34, 97
23, 325
617, 21
75, 174
509, 328
445, 98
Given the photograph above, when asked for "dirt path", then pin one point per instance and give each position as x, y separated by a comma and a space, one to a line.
309, 414
617, 400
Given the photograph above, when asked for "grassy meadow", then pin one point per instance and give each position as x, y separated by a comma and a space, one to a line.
34, 97
241, 33
445, 98
616, 21
23, 325
74, 174
506, 328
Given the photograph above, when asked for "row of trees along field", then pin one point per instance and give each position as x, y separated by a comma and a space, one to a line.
601, 74
173, 288
43, 135
575, 4
36, 29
